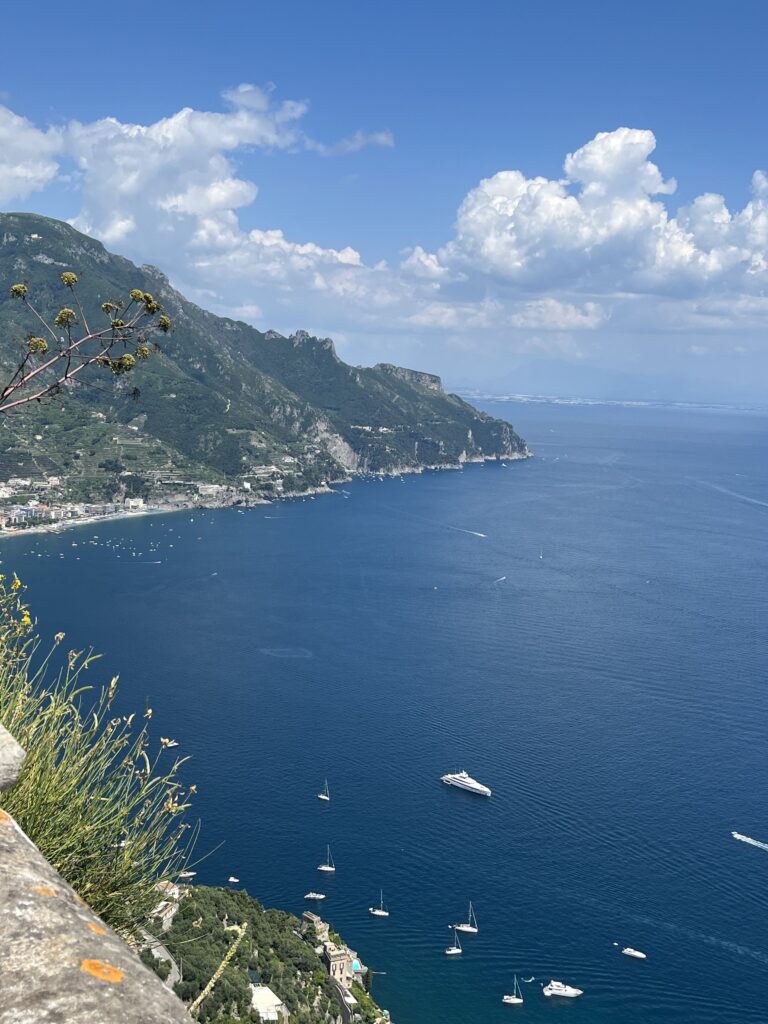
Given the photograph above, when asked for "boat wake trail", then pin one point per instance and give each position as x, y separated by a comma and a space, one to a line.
432, 522
752, 842
734, 494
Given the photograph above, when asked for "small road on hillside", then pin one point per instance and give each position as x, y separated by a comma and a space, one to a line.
161, 952
346, 1011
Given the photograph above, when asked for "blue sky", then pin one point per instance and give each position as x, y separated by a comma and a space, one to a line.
405, 111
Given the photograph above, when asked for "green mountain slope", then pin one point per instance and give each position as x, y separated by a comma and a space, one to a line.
223, 402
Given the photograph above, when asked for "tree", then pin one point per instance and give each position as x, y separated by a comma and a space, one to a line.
58, 355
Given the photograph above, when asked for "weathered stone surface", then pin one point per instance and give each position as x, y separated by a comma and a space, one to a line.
59, 964
11, 759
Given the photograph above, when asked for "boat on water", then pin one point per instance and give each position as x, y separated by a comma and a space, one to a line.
628, 951
379, 911
517, 996
470, 925
325, 794
455, 949
557, 988
233, 879
314, 895
752, 842
329, 865
464, 781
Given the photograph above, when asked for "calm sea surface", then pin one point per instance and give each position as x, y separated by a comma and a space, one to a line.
584, 632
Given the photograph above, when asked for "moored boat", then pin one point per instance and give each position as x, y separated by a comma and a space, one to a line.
517, 996
558, 988
379, 911
455, 949
314, 895
329, 865
464, 781
628, 951
470, 925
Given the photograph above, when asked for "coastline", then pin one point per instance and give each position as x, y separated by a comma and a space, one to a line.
254, 501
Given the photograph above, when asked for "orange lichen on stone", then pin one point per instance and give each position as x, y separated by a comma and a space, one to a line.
96, 928
104, 972
44, 890
5, 818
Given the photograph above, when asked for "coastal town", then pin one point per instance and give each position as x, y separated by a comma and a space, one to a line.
29, 504
349, 975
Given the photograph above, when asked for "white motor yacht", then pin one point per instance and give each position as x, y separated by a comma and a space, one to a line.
470, 925
379, 911
464, 781
557, 988
628, 951
329, 865
455, 949
314, 895
517, 996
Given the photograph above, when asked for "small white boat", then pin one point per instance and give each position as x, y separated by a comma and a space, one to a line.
329, 865
233, 879
314, 895
187, 874
464, 781
470, 926
325, 794
455, 949
379, 911
516, 998
557, 988
628, 951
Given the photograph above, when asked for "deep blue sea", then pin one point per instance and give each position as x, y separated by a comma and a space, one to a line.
585, 632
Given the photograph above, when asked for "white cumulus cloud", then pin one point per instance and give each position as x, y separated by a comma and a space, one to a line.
27, 156
532, 263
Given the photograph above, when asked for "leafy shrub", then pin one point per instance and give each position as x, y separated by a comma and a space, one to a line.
106, 813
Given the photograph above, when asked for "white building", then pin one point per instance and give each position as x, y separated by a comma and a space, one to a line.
165, 911
267, 1005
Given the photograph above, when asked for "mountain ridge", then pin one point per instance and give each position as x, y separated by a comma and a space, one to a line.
222, 402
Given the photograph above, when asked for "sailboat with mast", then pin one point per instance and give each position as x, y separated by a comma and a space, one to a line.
379, 911
517, 996
329, 865
470, 926
325, 793
455, 949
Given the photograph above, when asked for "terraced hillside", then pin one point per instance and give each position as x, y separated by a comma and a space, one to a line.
223, 402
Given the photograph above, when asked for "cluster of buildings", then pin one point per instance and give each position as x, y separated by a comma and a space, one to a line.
41, 513
167, 908
344, 965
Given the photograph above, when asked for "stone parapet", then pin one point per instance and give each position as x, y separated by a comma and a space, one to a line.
60, 964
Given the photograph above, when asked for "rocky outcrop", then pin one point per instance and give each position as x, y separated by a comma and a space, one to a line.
423, 380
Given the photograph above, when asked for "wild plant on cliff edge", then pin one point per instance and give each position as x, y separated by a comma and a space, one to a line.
104, 810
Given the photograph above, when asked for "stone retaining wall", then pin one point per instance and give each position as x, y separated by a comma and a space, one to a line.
60, 964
